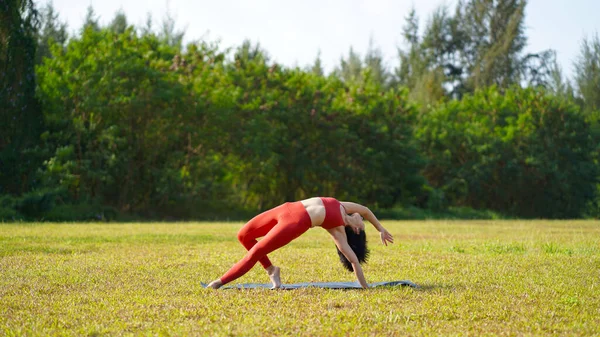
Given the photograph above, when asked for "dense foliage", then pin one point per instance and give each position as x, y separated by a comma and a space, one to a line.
124, 121
523, 152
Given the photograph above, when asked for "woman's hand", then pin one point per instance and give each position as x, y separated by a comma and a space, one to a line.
386, 237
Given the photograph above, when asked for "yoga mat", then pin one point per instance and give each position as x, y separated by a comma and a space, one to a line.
326, 285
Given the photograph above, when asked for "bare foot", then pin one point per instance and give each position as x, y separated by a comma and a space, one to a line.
274, 275
216, 284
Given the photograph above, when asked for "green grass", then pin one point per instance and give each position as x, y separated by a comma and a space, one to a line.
477, 278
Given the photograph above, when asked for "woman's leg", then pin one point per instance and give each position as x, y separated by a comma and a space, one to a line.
290, 226
258, 227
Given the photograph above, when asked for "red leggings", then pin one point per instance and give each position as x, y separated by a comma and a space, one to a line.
279, 226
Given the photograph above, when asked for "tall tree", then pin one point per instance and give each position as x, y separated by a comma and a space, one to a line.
168, 33
587, 81
119, 23
91, 20
147, 29
495, 33
587, 74
52, 30
350, 69
411, 61
557, 83
317, 66
374, 63
421, 67
480, 45
20, 116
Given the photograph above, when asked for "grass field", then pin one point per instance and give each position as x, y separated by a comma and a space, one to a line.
476, 277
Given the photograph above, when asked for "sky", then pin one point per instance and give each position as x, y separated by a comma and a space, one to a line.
294, 32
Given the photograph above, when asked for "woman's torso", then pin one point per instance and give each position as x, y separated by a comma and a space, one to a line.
317, 209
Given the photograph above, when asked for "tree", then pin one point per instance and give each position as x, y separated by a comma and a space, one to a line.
519, 151
317, 67
495, 35
169, 34
91, 21
587, 74
587, 81
411, 62
119, 23
20, 115
557, 83
374, 63
421, 67
350, 69
52, 31
147, 29
480, 45
114, 119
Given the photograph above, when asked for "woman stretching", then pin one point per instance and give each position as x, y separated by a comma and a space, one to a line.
284, 223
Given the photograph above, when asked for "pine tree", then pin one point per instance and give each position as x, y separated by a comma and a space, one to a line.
148, 26
421, 66
495, 41
411, 61
557, 83
480, 45
375, 64
168, 33
350, 69
52, 31
587, 74
317, 67
119, 23
91, 20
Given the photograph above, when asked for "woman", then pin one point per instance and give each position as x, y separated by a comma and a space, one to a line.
284, 223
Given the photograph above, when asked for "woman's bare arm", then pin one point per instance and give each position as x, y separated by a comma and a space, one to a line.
365, 212
339, 237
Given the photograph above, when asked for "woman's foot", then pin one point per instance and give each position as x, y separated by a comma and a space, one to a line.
216, 284
274, 275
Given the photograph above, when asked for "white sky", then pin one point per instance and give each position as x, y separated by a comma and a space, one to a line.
293, 32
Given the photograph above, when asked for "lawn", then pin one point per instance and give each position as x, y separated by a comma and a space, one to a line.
476, 278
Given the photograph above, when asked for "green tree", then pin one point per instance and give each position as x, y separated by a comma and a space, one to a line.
119, 23
20, 115
147, 29
109, 144
587, 74
558, 84
495, 41
521, 152
317, 66
351, 68
587, 81
375, 65
168, 33
91, 20
52, 30
296, 134
422, 66
412, 64
480, 45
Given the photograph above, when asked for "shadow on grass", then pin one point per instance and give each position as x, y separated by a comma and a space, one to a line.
442, 288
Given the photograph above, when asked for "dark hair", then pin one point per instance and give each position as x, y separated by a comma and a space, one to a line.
358, 243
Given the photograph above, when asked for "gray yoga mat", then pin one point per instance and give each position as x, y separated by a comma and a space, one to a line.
326, 285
